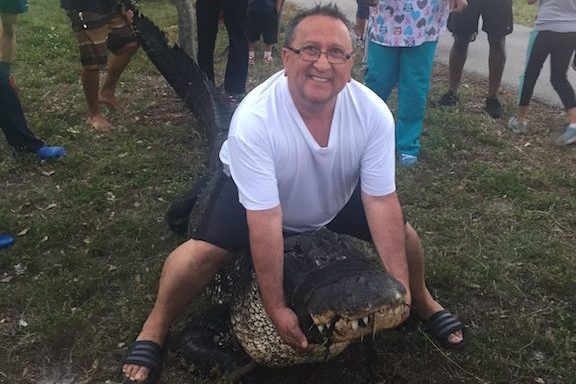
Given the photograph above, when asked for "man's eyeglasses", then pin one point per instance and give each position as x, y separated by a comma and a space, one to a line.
311, 53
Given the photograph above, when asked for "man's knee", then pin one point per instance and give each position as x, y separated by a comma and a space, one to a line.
128, 48
461, 43
203, 255
497, 44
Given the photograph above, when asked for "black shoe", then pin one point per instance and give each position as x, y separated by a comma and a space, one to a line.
449, 99
493, 107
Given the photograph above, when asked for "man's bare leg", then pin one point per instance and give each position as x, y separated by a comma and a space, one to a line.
116, 66
496, 63
187, 270
458, 56
90, 85
422, 301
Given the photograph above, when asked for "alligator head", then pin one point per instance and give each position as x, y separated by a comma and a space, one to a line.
338, 290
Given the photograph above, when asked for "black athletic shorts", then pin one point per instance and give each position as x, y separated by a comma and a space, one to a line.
497, 19
224, 221
263, 24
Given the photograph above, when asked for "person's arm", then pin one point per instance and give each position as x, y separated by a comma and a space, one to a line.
458, 5
267, 248
386, 225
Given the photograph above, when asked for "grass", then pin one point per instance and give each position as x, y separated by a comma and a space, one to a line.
496, 213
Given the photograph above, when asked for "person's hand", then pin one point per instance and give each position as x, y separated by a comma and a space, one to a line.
286, 323
458, 5
128, 16
408, 303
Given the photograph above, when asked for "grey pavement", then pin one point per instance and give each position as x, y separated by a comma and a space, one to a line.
477, 61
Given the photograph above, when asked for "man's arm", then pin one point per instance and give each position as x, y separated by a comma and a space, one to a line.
386, 225
267, 248
458, 5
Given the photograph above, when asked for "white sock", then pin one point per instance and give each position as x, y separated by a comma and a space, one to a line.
251, 54
267, 53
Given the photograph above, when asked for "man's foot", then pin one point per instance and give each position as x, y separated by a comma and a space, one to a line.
47, 152
143, 362
268, 59
99, 123
493, 107
444, 327
449, 99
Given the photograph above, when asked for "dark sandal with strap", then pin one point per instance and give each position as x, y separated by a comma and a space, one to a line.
441, 324
146, 354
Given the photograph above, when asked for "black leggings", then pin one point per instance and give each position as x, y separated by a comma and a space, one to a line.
12, 119
560, 47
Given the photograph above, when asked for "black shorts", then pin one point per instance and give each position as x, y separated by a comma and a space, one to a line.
497, 19
263, 24
224, 221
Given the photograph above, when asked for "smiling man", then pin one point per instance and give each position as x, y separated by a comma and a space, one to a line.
310, 147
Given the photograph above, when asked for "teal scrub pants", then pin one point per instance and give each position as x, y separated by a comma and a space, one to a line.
410, 68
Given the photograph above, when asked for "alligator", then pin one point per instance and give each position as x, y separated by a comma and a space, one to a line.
334, 283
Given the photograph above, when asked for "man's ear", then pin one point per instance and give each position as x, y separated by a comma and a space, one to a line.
285, 55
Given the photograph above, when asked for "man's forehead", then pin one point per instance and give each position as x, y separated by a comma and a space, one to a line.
314, 23
321, 21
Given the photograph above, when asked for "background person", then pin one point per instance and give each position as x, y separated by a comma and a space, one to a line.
263, 18
307, 148
99, 26
234, 13
9, 10
554, 35
13, 124
497, 22
402, 37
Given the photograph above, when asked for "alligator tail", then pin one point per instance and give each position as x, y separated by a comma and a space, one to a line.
211, 108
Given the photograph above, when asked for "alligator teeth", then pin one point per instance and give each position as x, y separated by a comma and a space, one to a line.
398, 295
320, 328
365, 320
328, 325
355, 325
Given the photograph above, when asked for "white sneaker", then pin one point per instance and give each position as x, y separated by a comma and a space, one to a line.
516, 126
568, 137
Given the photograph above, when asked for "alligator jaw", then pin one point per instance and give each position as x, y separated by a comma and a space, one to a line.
342, 328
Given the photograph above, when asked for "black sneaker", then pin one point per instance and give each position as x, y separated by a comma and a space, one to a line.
449, 99
493, 107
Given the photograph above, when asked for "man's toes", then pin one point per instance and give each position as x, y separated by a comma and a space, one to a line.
456, 337
141, 374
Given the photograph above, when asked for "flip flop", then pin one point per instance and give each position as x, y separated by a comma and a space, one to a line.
146, 354
440, 325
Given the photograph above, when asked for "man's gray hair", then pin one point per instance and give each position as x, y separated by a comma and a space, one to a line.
330, 10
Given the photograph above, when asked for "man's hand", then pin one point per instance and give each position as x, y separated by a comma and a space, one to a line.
458, 5
286, 323
128, 16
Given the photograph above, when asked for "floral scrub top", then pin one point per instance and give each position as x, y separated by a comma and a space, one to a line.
407, 23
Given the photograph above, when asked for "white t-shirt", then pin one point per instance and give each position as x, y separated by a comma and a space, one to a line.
274, 160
